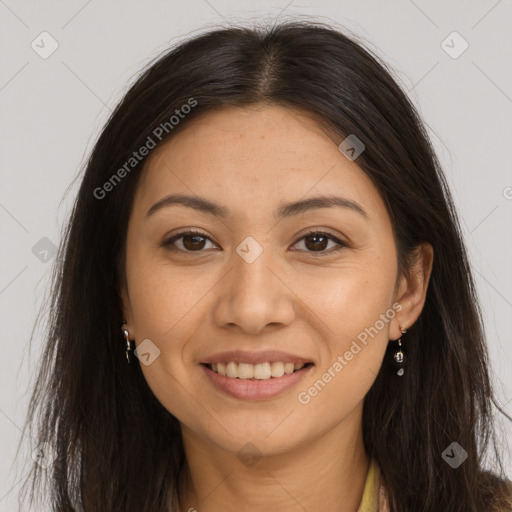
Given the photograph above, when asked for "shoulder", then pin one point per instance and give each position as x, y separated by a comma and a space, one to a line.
500, 493
508, 497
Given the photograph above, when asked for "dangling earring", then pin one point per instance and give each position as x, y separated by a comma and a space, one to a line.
398, 354
127, 340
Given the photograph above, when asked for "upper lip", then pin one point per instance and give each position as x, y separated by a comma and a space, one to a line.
255, 357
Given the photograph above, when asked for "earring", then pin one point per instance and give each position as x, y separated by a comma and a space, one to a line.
398, 355
127, 340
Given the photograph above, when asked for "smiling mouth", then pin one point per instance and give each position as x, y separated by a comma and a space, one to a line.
262, 371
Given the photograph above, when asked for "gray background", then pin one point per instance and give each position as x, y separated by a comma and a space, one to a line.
53, 108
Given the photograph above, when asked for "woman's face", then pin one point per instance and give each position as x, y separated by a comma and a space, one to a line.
254, 287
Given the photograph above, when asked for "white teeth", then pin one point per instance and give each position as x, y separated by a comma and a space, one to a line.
232, 370
288, 367
277, 369
245, 371
262, 371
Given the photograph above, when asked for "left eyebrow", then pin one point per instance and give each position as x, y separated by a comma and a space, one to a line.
285, 210
315, 203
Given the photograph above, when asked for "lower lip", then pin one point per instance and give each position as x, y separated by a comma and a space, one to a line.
255, 389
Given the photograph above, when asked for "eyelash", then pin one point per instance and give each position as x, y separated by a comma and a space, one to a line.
341, 245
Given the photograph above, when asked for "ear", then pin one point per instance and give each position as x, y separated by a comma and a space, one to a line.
412, 291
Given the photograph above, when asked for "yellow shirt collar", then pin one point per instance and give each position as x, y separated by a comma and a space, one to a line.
371, 492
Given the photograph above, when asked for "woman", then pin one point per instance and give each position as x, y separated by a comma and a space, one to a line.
264, 300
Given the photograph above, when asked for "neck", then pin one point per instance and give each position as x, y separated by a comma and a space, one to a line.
326, 474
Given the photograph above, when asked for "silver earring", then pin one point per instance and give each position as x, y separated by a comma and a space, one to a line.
127, 341
398, 355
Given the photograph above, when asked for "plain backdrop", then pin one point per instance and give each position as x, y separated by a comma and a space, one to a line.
53, 106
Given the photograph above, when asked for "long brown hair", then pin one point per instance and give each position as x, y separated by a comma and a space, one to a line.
116, 446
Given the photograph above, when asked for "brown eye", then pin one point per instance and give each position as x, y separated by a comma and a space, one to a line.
318, 241
190, 241
193, 242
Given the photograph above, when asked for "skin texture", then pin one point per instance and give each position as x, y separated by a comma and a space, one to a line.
194, 304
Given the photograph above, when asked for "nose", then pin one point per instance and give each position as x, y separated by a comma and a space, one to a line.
254, 297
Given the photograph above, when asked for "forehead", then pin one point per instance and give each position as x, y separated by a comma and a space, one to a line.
253, 156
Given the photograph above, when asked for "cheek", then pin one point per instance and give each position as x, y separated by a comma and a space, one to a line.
165, 306
163, 297
354, 311
350, 298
